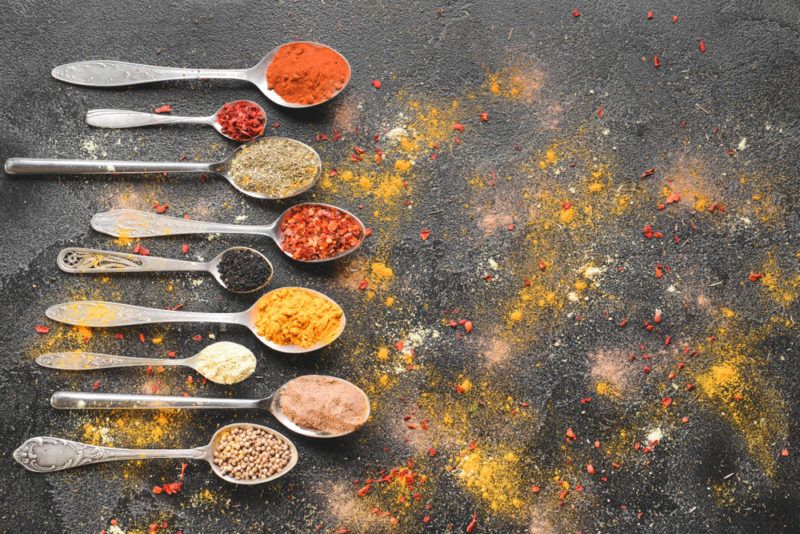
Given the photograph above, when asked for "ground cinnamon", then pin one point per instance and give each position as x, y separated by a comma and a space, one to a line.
324, 404
306, 73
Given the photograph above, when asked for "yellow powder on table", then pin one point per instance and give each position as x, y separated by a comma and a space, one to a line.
297, 316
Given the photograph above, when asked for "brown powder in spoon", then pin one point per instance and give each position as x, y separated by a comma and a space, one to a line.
323, 404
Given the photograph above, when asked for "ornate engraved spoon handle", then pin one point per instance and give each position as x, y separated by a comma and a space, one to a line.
45, 454
105, 314
88, 260
105, 73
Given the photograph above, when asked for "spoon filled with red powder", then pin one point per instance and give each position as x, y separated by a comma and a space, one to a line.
299, 74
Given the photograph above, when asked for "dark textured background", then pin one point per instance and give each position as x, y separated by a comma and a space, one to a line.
745, 85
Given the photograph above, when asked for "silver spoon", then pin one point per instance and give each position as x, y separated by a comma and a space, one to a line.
88, 261
46, 454
91, 361
121, 118
106, 73
100, 314
222, 168
134, 223
77, 400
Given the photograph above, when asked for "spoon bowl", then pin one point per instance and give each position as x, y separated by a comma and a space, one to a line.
278, 236
213, 268
212, 447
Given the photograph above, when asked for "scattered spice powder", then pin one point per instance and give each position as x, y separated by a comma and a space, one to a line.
251, 453
323, 404
243, 270
307, 73
275, 167
297, 316
312, 232
242, 120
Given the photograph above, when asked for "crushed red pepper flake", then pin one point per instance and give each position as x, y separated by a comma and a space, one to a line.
656, 61
425, 234
472, 523
701, 45
377, 84
484, 116
649, 15
166, 108
674, 19
755, 277
42, 329
648, 172
576, 13
315, 232
185, 249
139, 249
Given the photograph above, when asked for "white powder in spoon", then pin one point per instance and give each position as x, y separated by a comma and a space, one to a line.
225, 362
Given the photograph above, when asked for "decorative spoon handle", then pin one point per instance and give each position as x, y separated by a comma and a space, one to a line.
81, 166
45, 454
134, 223
105, 314
75, 400
121, 118
104, 73
88, 260
87, 361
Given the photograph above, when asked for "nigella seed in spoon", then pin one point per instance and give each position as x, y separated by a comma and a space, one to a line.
243, 270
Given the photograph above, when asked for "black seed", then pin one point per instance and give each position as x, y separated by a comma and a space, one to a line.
244, 270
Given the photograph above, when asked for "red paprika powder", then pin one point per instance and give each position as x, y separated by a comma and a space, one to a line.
307, 73
318, 232
242, 120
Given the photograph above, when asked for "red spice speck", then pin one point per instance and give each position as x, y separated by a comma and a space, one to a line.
96, 385
600, 112
570, 434
376, 84
755, 277
157, 490
362, 285
656, 61
674, 19
536, 489
472, 523
649, 15
586, 400
590, 469
166, 108
160, 208
666, 402
425, 234
42, 329
701, 45
784, 453
458, 127
576, 13
648, 172
185, 249
484, 116
431, 452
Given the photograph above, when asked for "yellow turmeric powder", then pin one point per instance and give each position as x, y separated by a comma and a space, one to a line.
296, 316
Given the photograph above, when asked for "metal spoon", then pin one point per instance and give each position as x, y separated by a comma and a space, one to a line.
77, 400
122, 118
46, 454
222, 168
107, 314
134, 223
91, 361
106, 73
88, 261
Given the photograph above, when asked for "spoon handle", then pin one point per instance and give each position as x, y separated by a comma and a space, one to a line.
105, 314
104, 73
45, 454
89, 361
82, 166
76, 400
121, 118
135, 223
88, 260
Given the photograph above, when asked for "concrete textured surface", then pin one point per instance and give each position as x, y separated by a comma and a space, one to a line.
631, 362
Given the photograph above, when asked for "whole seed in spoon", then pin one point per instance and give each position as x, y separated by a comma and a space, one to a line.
275, 167
243, 270
247, 453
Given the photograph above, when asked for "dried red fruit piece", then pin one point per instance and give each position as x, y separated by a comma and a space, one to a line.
166, 108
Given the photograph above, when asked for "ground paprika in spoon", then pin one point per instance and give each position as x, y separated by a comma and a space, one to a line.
307, 73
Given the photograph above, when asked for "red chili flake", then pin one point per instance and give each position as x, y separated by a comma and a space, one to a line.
42, 329
666, 402
96, 385
570, 434
139, 249
586, 400
467, 326
166, 108
367, 232
648, 172
657, 316
674, 19
458, 127
542, 266
667, 340
457, 140
321, 137
472, 523
425, 234
119, 335
649, 15
358, 150
314, 232
755, 277
672, 375
684, 420
376, 84
536, 489
656, 61
646, 369
689, 387
702, 46
659, 272
157, 490
473, 445
242, 120
363, 491
197, 337
576, 13
337, 135
600, 112
141, 337
426, 519
784, 452
362, 285
484, 116
185, 249
590, 469
597, 444
563, 495
648, 231
160, 208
